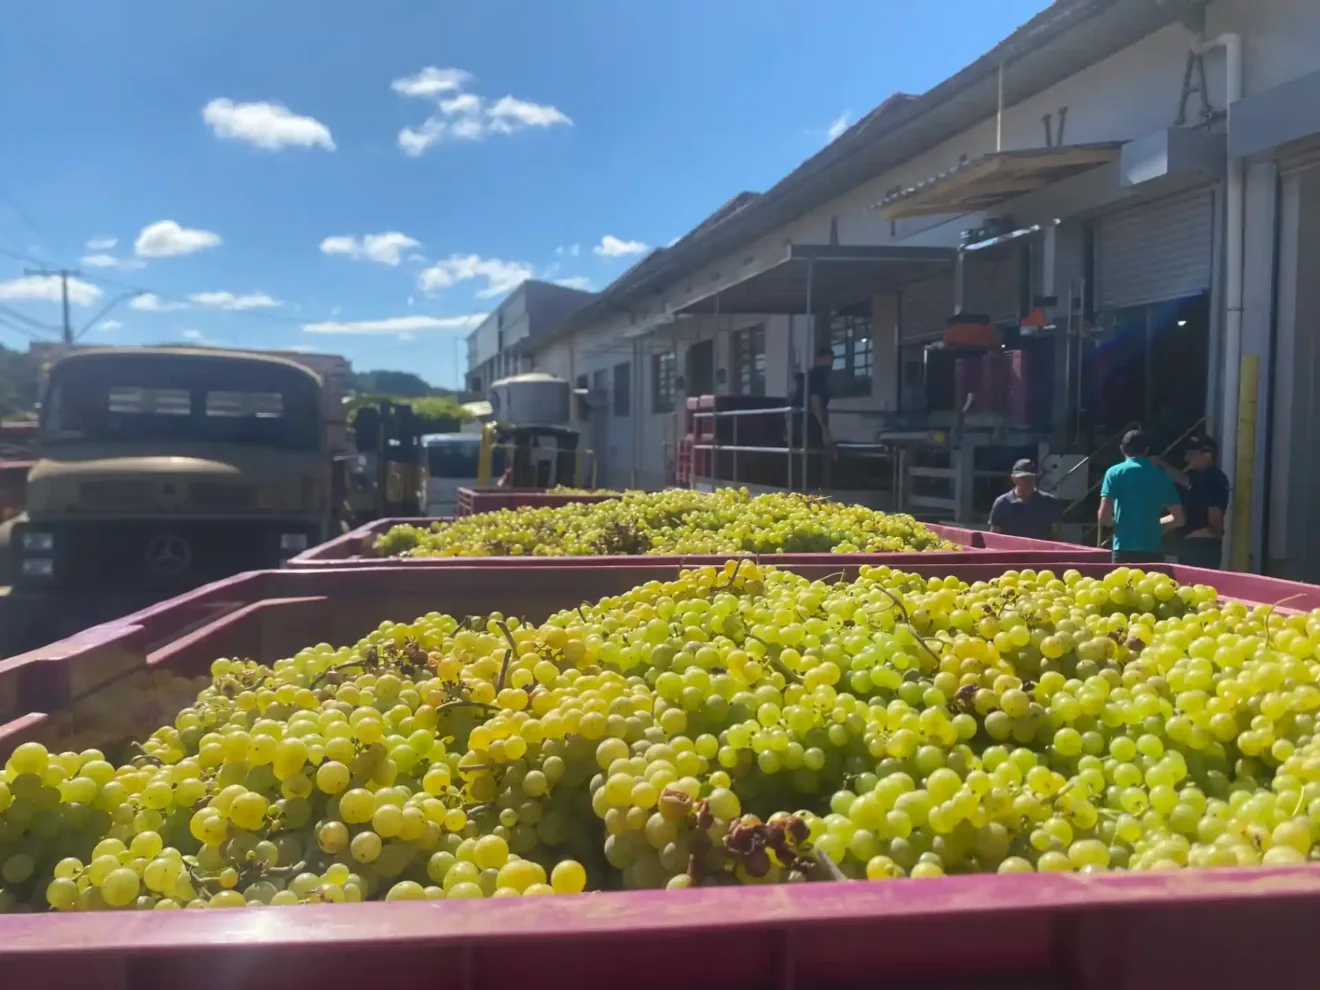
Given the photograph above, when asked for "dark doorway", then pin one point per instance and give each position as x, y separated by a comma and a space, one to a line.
701, 368
1149, 368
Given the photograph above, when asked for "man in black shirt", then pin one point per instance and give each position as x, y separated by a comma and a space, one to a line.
817, 404
1026, 511
1205, 491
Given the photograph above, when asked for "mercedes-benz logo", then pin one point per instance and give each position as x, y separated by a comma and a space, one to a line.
168, 555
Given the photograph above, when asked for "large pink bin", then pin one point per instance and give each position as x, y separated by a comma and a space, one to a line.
1219, 929
354, 549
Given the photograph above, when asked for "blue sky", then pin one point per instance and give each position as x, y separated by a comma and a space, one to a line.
362, 178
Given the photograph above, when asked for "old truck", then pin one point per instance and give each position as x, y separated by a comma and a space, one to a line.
162, 468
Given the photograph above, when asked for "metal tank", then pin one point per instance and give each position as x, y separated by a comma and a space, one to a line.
533, 399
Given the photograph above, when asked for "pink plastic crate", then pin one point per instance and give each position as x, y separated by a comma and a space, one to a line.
474, 500
354, 550
1213, 930
1207, 929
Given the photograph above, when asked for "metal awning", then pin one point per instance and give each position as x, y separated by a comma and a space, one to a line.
820, 278
991, 179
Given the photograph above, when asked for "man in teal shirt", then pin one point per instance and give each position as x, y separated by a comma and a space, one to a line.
1139, 501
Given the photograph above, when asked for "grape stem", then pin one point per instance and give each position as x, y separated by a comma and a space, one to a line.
464, 703
907, 621
775, 662
331, 670
830, 867
142, 754
504, 669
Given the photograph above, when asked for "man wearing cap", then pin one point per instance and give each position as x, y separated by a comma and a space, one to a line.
1205, 498
1025, 511
1139, 501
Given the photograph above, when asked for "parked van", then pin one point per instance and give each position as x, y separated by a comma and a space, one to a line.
451, 464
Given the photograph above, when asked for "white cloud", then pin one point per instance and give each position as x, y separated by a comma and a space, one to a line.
500, 276
508, 115
385, 249
466, 116
431, 82
613, 247
110, 261
193, 335
463, 104
571, 250
269, 126
149, 302
227, 300
841, 124
101, 243
398, 325
576, 282
166, 239
47, 288
109, 326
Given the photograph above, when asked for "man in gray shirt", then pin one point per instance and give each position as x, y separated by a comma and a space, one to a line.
1025, 511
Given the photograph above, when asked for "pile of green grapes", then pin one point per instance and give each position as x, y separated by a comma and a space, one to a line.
677, 521
739, 724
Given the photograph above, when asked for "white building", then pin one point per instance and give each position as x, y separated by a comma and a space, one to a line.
1096, 138
498, 347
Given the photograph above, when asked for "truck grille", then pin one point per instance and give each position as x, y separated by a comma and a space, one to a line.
116, 495
214, 496
166, 556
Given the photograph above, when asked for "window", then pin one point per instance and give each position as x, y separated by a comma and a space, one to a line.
262, 405
600, 391
850, 340
749, 361
453, 458
583, 406
176, 399
622, 389
663, 389
150, 401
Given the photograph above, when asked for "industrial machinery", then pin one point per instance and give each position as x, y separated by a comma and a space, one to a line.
389, 439
529, 416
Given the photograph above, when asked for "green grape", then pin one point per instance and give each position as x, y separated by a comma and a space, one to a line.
1049, 722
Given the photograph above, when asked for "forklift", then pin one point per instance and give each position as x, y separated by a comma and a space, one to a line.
386, 479
534, 456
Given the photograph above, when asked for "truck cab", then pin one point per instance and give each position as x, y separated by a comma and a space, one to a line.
163, 468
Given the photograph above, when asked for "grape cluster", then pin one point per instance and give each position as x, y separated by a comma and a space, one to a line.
739, 724
677, 521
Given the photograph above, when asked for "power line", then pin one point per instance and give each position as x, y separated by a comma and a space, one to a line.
25, 217
14, 314
16, 328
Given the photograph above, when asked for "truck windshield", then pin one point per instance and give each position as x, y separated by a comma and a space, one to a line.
453, 458
136, 398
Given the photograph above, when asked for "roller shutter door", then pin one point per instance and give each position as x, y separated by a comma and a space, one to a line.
925, 308
1155, 252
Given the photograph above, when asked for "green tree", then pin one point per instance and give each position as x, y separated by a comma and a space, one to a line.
18, 382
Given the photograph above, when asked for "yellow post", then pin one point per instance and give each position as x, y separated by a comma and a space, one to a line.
1248, 395
486, 459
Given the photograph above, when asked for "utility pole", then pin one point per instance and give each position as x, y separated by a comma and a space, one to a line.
64, 274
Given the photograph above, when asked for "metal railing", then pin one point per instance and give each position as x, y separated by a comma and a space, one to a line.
789, 450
